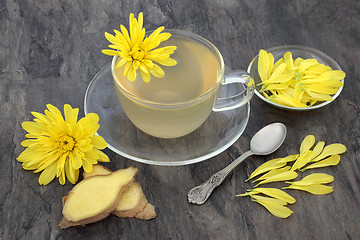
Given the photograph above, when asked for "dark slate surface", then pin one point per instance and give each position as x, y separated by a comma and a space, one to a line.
49, 52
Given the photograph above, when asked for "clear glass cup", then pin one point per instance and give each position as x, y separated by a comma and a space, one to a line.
182, 114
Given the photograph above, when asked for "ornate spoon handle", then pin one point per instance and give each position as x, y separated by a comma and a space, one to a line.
201, 193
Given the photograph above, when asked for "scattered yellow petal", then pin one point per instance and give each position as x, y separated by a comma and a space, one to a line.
307, 143
315, 178
267, 166
275, 193
289, 158
332, 149
276, 209
273, 172
268, 199
279, 177
330, 161
317, 189
302, 160
318, 148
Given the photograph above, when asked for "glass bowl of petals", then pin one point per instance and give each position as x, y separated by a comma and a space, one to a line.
297, 78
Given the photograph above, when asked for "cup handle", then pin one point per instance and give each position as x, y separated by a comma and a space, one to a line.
238, 99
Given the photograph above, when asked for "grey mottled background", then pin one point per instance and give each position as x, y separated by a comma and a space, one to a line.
49, 52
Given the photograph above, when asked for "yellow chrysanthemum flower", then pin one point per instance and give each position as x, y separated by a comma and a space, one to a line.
139, 52
59, 147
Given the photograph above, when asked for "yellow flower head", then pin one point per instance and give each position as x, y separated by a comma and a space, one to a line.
59, 147
139, 52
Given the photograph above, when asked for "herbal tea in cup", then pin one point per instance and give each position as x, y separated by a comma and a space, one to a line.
181, 101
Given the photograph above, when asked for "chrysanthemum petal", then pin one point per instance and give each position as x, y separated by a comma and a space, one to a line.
111, 38
302, 160
29, 154
263, 65
146, 76
330, 161
98, 142
317, 189
275, 193
88, 167
62, 178
273, 172
268, 199
29, 166
167, 62
92, 156
289, 158
48, 174
102, 156
32, 128
332, 149
46, 162
53, 112
164, 36
85, 145
131, 74
77, 159
70, 173
121, 62
288, 59
319, 96
267, 166
41, 117
157, 71
71, 114
276, 209
289, 175
110, 52
307, 63
307, 143
315, 178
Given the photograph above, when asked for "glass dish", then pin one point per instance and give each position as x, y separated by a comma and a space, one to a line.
218, 132
297, 51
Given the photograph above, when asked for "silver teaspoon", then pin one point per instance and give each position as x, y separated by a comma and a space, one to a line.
267, 140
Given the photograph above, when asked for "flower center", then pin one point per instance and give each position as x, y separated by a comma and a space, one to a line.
137, 53
66, 143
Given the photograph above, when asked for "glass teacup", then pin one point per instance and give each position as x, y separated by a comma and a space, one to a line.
181, 102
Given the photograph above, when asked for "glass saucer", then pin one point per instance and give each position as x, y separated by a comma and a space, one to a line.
218, 132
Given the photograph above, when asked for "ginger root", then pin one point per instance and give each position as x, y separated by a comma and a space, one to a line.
133, 202
94, 198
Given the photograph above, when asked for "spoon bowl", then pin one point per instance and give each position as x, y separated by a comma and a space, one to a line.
267, 140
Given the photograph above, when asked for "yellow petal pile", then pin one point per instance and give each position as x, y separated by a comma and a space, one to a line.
138, 51
278, 170
59, 147
298, 83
